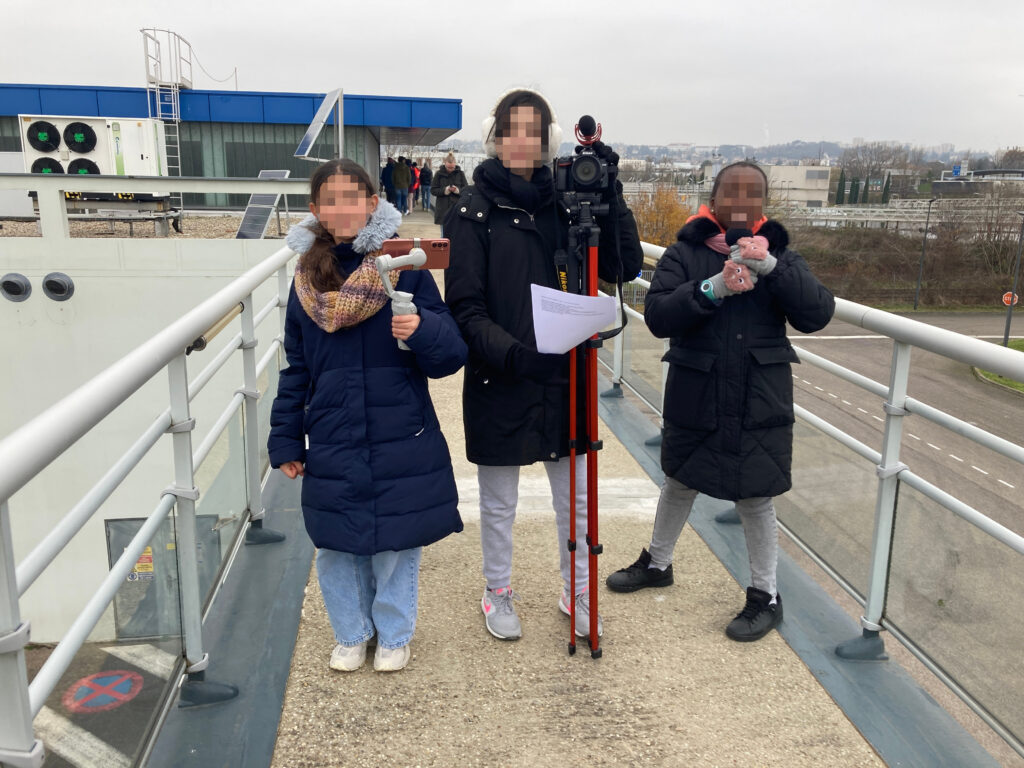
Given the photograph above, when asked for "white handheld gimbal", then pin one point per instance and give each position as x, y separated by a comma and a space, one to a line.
401, 301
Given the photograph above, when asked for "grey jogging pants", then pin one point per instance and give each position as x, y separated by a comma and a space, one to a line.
759, 528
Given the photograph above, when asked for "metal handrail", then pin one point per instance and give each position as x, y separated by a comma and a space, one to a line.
906, 333
34, 445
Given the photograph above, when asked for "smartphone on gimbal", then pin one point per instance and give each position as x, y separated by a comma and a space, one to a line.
437, 250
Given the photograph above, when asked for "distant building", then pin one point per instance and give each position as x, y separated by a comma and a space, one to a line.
804, 186
239, 133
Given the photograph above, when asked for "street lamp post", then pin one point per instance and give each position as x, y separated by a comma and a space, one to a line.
924, 245
1016, 278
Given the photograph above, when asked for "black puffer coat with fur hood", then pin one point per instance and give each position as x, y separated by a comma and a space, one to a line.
728, 405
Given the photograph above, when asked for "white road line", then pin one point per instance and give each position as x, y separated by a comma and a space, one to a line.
979, 469
847, 402
933, 445
913, 436
861, 409
877, 418
956, 457
75, 744
154, 660
832, 338
835, 396
805, 381
1007, 484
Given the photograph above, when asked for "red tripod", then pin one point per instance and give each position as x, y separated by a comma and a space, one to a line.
586, 233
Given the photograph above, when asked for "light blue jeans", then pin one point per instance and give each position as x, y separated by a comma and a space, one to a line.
367, 594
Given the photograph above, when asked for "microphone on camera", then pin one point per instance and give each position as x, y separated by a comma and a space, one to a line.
588, 130
733, 235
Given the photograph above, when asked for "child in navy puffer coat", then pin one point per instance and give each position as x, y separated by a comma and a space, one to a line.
353, 417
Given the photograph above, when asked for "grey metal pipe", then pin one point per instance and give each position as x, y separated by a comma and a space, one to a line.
203, 451
872, 386
28, 449
56, 665
998, 532
46, 550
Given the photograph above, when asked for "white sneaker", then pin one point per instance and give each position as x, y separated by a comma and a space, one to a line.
348, 658
391, 659
582, 613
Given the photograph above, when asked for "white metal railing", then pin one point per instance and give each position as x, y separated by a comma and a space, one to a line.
31, 448
906, 334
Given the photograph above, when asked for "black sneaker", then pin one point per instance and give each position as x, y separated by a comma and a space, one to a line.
639, 575
757, 618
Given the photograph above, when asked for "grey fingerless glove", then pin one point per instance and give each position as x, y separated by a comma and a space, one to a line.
758, 266
718, 290
716, 287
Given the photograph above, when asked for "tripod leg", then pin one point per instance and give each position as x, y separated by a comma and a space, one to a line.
593, 446
571, 544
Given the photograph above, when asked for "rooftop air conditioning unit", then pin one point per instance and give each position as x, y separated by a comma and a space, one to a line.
93, 145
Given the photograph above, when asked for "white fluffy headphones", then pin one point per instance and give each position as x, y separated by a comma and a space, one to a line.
554, 131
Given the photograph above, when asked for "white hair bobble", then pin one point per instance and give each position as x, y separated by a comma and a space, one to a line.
554, 130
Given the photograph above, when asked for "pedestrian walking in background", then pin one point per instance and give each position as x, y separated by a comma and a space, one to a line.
414, 189
426, 178
387, 181
401, 176
353, 417
447, 186
728, 404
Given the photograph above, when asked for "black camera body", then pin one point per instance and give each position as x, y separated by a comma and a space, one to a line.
583, 172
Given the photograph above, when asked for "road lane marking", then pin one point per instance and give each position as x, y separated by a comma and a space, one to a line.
877, 418
979, 469
819, 389
955, 457
933, 445
805, 381
1007, 484
861, 409
913, 436
835, 396
847, 402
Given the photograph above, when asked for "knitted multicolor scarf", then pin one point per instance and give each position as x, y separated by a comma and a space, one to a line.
361, 296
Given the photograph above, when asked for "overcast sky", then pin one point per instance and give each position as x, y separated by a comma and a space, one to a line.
652, 71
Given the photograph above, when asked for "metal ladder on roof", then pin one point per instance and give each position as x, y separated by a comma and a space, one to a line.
168, 59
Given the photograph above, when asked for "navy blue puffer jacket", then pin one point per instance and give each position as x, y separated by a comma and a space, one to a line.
378, 474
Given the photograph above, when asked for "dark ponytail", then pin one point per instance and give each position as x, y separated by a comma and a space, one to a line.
318, 261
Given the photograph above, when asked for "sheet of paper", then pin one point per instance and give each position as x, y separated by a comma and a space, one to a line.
563, 320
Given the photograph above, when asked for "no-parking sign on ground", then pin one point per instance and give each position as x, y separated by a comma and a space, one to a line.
102, 691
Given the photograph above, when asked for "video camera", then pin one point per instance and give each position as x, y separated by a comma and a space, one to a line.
585, 171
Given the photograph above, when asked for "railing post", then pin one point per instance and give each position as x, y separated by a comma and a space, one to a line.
282, 297
869, 646
256, 533
196, 689
53, 213
18, 748
617, 343
656, 440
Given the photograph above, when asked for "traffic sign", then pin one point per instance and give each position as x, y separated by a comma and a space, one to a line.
1009, 297
102, 691
956, 170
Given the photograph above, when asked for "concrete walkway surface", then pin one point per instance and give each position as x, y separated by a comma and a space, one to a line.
670, 690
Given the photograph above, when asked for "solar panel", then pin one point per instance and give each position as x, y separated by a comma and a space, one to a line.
259, 209
319, 120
